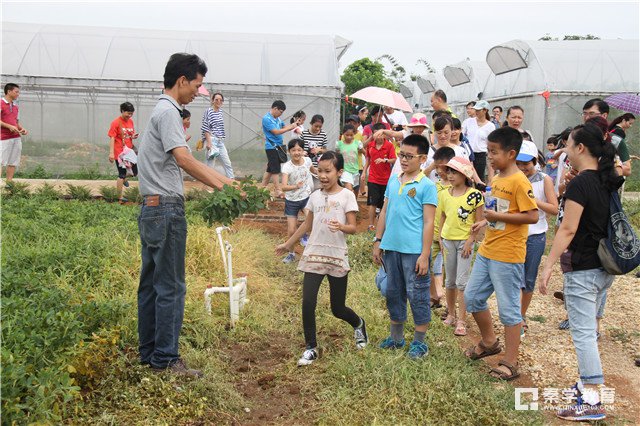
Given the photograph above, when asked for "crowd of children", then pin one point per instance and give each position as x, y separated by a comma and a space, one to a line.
429, 207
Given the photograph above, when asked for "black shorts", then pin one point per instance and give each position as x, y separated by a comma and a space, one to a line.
122, 172
375, 194
273, 161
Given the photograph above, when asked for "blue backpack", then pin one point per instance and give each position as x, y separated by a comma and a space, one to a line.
619, 252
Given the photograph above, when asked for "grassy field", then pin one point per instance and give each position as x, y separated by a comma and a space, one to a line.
69, 275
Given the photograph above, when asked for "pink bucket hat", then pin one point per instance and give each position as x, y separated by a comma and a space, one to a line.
418, 120
462, 165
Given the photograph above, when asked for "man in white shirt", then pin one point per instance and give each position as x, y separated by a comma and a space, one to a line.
396, 118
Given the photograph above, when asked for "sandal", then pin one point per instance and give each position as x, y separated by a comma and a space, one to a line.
499, 374
435, 304
486, 350
461, 329
445, 314
450, 320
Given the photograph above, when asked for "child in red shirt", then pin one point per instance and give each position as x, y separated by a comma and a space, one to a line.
121, 134
380, 155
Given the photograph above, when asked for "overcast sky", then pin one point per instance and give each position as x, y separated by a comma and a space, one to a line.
440, 32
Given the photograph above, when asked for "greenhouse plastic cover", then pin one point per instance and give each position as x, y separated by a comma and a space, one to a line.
135, 54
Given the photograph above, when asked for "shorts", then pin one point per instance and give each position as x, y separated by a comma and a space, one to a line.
436, 258
350, 178
375, 194
292, 208
535, 249
504, 278
273, 161
403, 283
11, 152
122, 171
456, 266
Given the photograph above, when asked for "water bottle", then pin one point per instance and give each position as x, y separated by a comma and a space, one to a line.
490, 203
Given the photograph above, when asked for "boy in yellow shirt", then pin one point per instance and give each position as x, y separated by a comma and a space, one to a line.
499, 264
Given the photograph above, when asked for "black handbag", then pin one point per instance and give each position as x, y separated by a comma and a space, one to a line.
282, 154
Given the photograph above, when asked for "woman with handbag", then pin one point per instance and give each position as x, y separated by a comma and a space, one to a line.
213, 135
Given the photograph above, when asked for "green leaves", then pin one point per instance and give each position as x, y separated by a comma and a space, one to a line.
363, 73
229, 203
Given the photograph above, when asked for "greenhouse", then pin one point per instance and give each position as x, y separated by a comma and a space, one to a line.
74, 78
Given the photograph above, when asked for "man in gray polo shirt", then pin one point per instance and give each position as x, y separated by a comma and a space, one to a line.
163, 228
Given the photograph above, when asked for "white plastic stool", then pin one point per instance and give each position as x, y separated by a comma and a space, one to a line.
236, 287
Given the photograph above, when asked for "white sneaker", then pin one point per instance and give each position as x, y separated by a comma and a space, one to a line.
291, 257
308, 357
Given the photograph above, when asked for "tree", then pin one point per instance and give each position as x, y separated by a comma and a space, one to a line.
427, 66
547, 37
398, 73
363, 73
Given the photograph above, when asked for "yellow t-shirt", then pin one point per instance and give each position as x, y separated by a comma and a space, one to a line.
507, 242
436, 222
460, 213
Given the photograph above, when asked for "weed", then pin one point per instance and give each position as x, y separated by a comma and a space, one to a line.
195, 194
229, 203
15, 189
79, 192
538, 318
39, 172
109, 193
133, 194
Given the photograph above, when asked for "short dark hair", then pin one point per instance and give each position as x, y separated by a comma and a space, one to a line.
508, 138
317, 118
353, 118
185, 113
470, 104
378, 126
515, 107
440, 94
457, 125
297, 115
375, 110
216, 94
418, 141
441, 122
9, 87
348, 127
335, 157
293, 142
444, 153
183, 64
127, 107
440, 113
602, 106
499, 108
279, 104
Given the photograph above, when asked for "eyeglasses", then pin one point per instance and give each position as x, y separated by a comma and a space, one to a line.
408, 157
590, 114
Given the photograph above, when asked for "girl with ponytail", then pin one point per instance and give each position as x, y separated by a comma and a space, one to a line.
583, 218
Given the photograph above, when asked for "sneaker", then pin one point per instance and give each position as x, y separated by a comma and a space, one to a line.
583, 413
304, 240
564, 325
126, 183
389, 343
360, 334
417, 350
180, 368
308, 356
291, 257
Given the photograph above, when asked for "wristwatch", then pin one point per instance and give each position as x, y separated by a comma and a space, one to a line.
376, 239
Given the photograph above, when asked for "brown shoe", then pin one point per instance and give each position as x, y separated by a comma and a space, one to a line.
180, 368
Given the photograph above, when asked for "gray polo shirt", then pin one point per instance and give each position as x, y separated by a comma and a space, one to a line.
158, 171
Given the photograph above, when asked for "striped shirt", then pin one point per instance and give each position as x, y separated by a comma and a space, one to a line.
213, 123
314, 141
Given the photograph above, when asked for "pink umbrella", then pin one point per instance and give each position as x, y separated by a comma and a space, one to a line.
203, 91
384, 97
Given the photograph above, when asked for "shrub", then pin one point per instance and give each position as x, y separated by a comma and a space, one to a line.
133, 194
109, 193
47, 192
17, 190
39, 172
79, 192
195, 194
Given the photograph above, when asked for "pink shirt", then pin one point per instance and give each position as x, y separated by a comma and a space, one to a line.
9, 115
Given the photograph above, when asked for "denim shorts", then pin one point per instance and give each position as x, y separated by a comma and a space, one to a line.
504, 278
292, 208
403, 284
535, 249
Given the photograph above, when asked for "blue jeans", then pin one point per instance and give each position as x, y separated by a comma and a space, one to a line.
535, 249
163, 233
584, 293
403, 283
223, 157
505, 279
